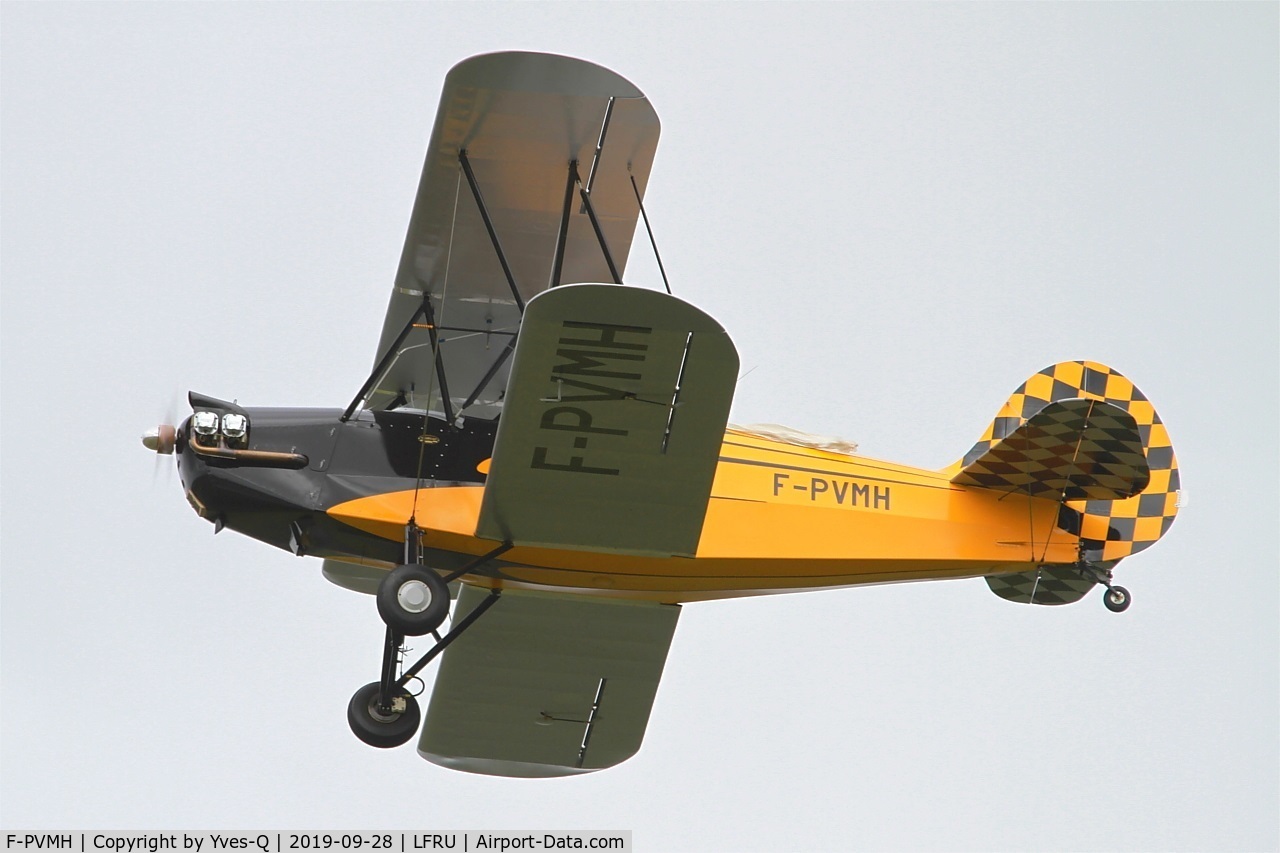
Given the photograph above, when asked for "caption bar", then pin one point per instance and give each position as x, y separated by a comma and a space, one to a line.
462, 841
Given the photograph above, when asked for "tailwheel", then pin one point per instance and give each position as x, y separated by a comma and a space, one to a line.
413, 600
1117, 599
380, 726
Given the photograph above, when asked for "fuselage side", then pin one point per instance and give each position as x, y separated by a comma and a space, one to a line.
781, 517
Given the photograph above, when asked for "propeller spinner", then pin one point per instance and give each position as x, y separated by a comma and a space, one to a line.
161, 439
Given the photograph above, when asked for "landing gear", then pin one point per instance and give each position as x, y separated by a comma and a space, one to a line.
379, 725
1117, 599
413, 600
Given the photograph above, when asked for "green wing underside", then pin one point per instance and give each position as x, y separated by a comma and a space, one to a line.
546, 684
521, 118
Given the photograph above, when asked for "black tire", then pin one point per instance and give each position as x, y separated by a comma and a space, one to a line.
413, 600
1117, 599
377, 729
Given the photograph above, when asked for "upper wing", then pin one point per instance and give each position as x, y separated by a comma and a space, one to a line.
521, 119
612, 426
547, 685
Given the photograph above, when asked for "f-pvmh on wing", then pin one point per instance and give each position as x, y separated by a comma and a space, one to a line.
501, 215
616, 406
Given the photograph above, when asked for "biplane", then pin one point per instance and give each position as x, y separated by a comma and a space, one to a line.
542, 458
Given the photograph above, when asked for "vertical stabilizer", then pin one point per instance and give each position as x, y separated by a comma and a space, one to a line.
1109, 529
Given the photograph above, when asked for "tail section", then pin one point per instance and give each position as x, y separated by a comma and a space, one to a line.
1074, 448
1082, 430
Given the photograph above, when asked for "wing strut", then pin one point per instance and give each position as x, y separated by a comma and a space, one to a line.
557, 260
388, 357
488, 377
595, 223
394, 350
557, 263
478, 562
425, 307
488, 224
489, 600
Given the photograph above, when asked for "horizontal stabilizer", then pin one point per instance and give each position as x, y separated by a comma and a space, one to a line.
1071, 449
1049, 585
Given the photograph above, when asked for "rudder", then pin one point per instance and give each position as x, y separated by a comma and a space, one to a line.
1108, 529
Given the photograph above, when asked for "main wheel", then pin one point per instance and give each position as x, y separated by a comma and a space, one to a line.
382, 729
413, 600
1116, 598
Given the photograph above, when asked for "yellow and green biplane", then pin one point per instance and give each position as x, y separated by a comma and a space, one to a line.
551, 452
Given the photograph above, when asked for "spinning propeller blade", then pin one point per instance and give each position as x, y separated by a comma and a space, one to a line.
162, 437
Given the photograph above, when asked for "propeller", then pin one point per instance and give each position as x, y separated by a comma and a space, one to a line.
162, 438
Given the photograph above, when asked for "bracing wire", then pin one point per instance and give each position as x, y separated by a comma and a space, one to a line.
423, 438
652, 241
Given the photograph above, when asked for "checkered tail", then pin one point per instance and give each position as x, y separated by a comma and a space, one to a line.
1119, 484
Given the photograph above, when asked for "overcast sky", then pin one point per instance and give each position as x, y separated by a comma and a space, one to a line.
900, 212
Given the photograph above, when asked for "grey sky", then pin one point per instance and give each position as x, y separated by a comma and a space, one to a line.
898, 211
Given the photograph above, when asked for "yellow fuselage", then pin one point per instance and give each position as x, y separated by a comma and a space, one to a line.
781, 518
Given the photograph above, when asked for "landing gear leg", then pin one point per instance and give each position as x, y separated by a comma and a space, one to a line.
413, 600
1116, 598
383, 713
